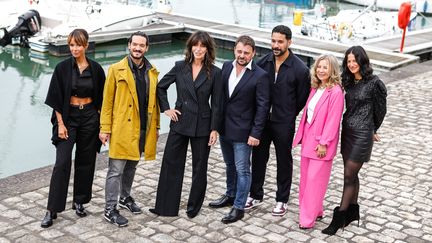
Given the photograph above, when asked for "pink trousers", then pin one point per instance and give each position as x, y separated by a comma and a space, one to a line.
314, 178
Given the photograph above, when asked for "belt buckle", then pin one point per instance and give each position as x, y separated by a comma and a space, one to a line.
81, 106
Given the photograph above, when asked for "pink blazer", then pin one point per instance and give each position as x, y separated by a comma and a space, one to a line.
325, 125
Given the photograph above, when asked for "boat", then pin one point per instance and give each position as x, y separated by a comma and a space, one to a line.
420, 6
353, 25
60, 17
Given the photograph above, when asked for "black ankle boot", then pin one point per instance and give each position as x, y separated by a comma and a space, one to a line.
353, 214
47, 221
337, 222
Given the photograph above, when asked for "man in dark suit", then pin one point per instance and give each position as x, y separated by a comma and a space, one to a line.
246, 105
290, 86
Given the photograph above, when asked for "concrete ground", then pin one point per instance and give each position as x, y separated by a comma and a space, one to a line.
395, 193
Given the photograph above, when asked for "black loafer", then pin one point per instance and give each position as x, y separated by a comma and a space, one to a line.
233, 216
47, 221
221, 202
79, 209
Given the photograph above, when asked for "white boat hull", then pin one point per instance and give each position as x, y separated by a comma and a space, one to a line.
421, 6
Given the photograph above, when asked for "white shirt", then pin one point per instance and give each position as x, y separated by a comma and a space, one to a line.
234, 79
312, 104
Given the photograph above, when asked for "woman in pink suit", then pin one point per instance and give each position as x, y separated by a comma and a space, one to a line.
318, 133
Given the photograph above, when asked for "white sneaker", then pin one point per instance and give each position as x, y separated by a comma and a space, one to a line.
280, 209
251, 203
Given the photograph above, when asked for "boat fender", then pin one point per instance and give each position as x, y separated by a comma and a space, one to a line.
345, 30
404, 15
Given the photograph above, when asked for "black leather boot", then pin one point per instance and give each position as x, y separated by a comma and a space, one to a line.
353, 214
47, 221
337, 222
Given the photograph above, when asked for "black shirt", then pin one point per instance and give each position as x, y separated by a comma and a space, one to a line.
82, 83
289, 93
141, 81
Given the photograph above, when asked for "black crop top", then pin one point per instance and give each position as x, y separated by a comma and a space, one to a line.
82, 83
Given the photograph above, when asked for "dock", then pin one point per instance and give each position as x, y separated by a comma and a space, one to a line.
383, 53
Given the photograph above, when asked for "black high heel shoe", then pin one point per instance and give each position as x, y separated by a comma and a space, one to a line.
353, 214
337, 222
47, 221
79, 209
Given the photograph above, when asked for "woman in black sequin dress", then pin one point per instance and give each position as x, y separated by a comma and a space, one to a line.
365, 103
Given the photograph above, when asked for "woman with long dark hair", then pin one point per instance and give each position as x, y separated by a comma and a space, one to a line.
75, 95
365, 102
195, 119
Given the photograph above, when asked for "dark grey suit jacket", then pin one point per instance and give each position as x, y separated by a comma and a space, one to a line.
198, 101
246, 110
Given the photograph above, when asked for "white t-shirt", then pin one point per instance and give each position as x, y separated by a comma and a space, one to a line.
312, 104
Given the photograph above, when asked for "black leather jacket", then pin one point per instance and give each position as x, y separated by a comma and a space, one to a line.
365, 104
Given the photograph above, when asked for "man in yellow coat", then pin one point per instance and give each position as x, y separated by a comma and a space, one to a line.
130, 123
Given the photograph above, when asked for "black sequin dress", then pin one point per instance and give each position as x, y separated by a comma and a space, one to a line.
365, 103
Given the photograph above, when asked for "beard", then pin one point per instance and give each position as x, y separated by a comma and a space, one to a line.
244, 63
278, 52
136, 54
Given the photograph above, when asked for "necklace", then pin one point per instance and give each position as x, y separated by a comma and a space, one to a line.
82, 66
356, 81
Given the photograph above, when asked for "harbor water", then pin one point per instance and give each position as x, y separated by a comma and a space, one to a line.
25, 128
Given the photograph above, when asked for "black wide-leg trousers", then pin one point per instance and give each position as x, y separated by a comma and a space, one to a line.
83, 131
172, 172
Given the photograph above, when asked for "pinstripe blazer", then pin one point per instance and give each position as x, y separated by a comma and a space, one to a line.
198, 101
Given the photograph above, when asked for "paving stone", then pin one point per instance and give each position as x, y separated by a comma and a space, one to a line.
273, 237
50, 234
362, 239
255, 229
4, 240
394, 234
99, 239
215, 236
180, 235
16, 233
29, 238
196, 239
162, 238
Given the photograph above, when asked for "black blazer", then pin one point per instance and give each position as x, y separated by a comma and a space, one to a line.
198, 115
246, 111
290, 91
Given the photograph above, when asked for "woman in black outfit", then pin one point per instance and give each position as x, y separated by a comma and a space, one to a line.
365, 102
195, 119
75, 95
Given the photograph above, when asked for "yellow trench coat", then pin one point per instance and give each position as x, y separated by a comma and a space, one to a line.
120, 115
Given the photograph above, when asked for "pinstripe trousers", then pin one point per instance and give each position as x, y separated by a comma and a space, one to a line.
172, 172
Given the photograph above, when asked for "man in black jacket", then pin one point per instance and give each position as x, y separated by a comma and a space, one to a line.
290, 86
246, 105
